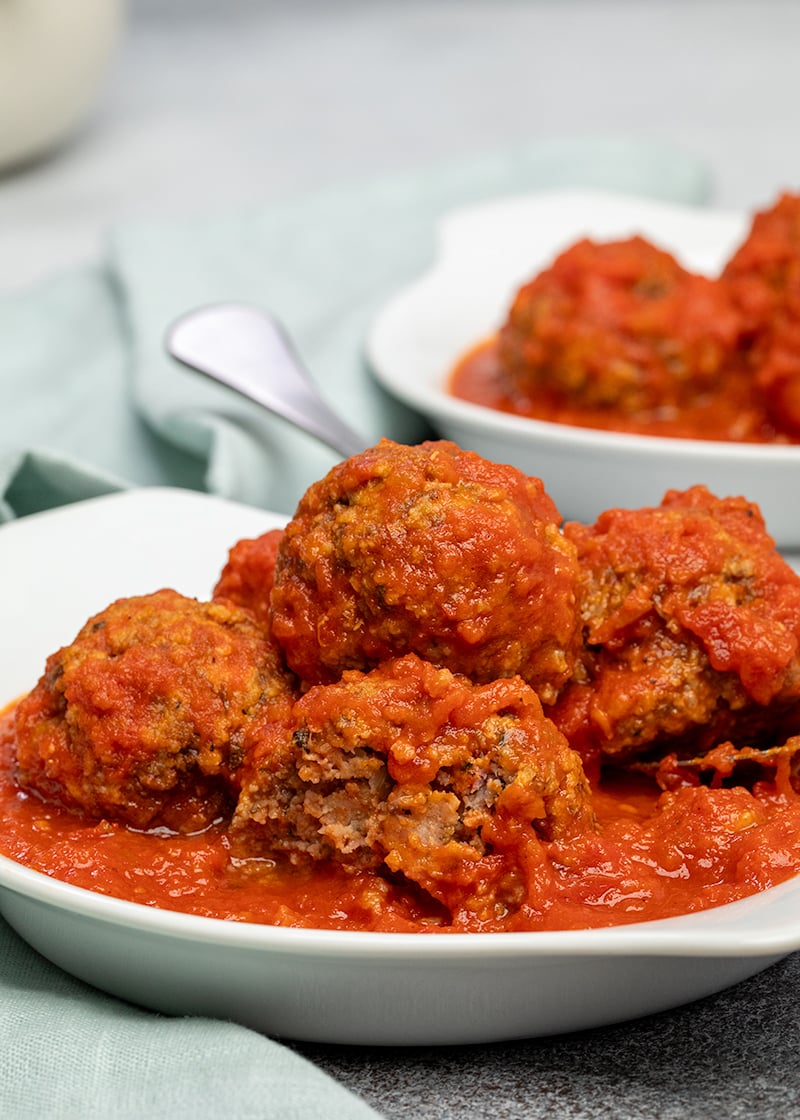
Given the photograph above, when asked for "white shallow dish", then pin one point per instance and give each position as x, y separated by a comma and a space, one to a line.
484, 254
328, 986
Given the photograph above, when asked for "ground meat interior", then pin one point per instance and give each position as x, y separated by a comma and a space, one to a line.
418, 772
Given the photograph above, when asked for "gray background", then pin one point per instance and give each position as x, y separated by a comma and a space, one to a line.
216, 104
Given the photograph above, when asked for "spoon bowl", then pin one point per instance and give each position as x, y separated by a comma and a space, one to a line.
247, 349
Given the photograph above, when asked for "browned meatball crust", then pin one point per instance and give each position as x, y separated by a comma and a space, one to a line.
430, 550
619, 326
692, 628
142, 718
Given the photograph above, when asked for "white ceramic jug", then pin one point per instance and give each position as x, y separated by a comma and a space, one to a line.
53, 58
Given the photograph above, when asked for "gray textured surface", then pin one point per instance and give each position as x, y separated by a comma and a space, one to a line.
729, 1056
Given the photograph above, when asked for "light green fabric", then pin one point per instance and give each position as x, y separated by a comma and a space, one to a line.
69, 1053
89, 404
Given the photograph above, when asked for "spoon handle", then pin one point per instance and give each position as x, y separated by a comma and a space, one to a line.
248, 350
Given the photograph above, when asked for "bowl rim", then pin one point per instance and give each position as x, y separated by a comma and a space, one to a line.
436, 402
766, 923
721, 931
427, 391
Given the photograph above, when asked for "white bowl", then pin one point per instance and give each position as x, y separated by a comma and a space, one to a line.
485, 253
318, 985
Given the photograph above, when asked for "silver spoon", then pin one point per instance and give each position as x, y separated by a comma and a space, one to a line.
248, 350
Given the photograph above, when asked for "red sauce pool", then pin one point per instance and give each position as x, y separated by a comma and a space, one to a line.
732, 415
655, 855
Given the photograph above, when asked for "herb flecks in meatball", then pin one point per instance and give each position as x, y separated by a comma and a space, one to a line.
142, 718
691, 624
430, 550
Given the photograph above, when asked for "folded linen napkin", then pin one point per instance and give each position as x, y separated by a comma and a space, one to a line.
90, 405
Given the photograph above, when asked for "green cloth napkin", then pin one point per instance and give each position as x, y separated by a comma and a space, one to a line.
68, 1052
91, 405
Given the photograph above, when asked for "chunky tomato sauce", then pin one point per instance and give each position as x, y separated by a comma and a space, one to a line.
619, 335
730, 414
655, 855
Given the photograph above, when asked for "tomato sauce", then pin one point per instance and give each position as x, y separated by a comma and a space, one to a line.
731, 414
654, 855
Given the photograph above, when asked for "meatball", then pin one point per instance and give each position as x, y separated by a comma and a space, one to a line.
691, 625
618, 327
247, 577
429, 550
142, 718
778, 376
420, 773
763, 276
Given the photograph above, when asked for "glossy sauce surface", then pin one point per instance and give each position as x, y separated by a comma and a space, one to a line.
731, 414
655, 855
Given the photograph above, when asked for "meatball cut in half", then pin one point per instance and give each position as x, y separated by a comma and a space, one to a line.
429, 550
692, 628
417, 772
142, 718
619, 326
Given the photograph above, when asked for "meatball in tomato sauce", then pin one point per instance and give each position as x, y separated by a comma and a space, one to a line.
764, 278
248, 575
618, 327
142, 718
416, 772
691, 623
428, 550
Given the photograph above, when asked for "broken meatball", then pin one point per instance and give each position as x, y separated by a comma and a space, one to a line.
420, 773
142, 718
431, 550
